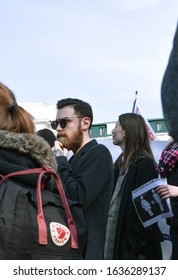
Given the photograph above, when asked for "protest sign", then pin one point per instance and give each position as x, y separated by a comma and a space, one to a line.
149, 205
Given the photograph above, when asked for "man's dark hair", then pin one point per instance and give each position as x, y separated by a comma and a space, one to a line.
82, 108
48, 135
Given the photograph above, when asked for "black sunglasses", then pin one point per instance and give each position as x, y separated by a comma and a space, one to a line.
63, 122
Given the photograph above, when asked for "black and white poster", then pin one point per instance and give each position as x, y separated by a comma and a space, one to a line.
149, 205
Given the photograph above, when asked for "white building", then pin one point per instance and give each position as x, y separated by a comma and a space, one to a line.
41, 112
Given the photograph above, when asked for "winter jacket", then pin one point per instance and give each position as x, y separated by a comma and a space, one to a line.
20, 151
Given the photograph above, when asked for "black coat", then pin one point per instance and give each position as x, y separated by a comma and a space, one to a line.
132, 239
88, 178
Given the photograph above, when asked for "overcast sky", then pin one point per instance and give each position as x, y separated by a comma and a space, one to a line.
101, 51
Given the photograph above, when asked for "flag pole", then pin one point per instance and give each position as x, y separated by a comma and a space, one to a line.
135, 100
136, 110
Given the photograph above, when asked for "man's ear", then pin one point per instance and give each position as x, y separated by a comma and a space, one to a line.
85, 123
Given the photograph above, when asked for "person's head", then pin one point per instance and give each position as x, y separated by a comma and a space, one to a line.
48, 135
131, 134
13, 117
73, 122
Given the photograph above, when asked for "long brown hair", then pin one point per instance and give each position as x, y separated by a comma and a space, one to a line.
137, 142
13, 117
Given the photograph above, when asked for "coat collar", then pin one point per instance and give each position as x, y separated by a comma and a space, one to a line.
29, 144
85, 148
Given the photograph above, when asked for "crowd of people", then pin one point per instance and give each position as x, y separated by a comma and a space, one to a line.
114, 228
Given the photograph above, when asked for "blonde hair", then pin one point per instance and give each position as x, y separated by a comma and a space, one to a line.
13, 117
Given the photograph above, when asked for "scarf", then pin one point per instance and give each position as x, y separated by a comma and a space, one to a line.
168, 159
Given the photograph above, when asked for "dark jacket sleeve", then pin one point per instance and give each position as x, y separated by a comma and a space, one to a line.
169, 90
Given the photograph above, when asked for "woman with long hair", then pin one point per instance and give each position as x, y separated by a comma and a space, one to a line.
126, 237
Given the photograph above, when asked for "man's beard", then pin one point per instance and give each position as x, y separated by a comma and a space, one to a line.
74, 142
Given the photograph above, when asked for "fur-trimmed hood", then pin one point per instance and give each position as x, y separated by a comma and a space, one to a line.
29, 144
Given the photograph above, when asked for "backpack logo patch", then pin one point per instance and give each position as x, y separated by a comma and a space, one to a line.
60, 234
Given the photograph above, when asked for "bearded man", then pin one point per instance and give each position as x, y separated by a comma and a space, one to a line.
88, 175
